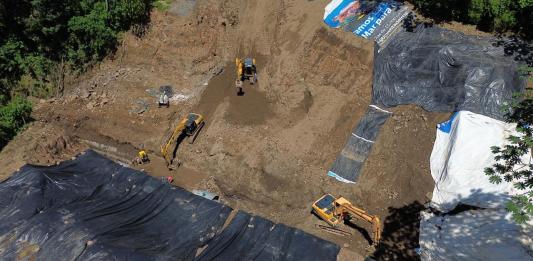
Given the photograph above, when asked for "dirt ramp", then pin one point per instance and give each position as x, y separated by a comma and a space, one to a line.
252, 108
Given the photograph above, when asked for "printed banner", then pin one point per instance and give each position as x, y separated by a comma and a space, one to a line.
377, 20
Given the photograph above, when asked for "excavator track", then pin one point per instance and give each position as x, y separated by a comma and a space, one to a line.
333, 230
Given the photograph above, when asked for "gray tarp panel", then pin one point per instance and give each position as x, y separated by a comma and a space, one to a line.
91, 208
351, 159
445, 71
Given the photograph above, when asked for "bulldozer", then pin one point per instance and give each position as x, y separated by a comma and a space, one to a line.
337, 210
246, 70
188, 127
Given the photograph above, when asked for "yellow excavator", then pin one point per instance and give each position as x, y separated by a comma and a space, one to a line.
246, 70
335, 210
189, 126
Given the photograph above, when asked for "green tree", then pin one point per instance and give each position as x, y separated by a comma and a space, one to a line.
488, 15
11, 60
509, 166
13, 116
90, 36
40, 39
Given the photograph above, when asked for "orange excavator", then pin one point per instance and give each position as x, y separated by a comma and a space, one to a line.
189, 126
336, 210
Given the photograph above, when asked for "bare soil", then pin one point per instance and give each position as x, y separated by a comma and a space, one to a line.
266, 152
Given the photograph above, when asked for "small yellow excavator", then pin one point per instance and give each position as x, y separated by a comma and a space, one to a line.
335, 210
246, 70
189, 126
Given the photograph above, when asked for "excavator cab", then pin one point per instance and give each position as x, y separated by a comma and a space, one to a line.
324, 208
249, 66
191, 126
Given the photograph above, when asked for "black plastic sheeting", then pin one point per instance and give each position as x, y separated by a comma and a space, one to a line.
349, 162
91, 208
265, 240
439, 70
445, 71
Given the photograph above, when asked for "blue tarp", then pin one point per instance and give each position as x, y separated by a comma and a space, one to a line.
446, 126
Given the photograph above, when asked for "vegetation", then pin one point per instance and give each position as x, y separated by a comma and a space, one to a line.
42, 39
13, 117
162, 5
510, 167
489, 15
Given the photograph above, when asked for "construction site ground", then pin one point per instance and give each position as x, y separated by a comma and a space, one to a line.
266, 152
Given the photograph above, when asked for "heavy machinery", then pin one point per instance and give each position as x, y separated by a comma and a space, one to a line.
246, 70
336, 210
189, 126
141, 158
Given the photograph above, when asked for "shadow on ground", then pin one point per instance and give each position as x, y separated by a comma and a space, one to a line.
400, 234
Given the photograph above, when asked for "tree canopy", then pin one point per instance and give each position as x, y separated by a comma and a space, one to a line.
510, 166
489, 15
38, 36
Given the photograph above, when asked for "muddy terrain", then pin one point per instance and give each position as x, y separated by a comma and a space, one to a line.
266, 152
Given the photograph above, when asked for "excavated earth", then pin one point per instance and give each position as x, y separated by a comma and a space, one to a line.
266, 152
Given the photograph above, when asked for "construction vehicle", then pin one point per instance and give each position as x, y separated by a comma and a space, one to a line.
337, 210
246, 70
141, 158
189, 127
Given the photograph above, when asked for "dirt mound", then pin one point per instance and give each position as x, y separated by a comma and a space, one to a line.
40, 144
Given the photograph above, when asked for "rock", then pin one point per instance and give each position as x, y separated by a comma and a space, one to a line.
84, 93
105, 100
61, 143
216, 149
90, 105
70, 98
219, 70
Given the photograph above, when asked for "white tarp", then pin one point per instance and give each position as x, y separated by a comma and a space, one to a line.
460, 154
474, 235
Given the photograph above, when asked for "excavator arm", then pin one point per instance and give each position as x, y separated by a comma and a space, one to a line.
239, 68
166, 149
348, 208
188, 126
